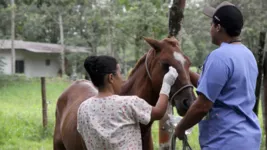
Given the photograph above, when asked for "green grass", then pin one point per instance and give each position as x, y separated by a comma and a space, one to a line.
21, 115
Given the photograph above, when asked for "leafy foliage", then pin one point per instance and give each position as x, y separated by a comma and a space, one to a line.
117, 27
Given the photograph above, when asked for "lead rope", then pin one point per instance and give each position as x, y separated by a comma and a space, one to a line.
186, 145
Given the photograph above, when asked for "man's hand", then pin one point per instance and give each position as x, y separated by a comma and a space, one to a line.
180, 133
194, 115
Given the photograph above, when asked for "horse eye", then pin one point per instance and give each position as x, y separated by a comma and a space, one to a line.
165, 67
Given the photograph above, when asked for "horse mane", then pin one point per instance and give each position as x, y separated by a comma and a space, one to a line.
141, 61
188, 60
143, 58
137, 65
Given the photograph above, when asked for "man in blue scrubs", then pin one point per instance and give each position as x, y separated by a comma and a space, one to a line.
226, 87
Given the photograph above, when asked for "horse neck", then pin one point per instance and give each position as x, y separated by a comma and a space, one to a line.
140, 84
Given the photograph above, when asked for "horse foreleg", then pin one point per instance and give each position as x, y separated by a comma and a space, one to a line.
151, 147
164, 135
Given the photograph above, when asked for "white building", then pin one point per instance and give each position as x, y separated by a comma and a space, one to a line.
35, 59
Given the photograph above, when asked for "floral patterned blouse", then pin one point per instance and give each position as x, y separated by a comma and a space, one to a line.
112, 123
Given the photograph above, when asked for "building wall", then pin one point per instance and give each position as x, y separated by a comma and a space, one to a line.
34, 63
6, 57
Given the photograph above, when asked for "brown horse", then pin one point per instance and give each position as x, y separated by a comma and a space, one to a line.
144, 81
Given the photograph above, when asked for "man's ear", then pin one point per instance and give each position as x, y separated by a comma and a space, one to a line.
218, 28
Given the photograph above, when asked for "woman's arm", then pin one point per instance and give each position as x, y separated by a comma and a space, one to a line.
159, 110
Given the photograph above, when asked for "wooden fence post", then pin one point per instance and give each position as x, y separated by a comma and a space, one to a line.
260, 68
44, 104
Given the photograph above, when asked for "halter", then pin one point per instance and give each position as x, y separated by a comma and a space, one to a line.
173, 139
150, 77
180, 90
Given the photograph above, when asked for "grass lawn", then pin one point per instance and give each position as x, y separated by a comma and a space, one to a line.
21, 115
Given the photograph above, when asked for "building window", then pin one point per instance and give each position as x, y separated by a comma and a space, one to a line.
19, 66
47, 62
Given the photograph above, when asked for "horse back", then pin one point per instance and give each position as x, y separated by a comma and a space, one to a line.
66, 134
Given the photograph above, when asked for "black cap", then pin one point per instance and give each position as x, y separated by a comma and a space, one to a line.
228, 16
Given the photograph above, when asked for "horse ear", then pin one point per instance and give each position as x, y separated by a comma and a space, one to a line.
155, 44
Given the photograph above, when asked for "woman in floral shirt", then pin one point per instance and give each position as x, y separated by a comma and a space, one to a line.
109, 121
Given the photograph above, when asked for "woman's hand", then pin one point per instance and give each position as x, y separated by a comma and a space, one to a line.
168, 81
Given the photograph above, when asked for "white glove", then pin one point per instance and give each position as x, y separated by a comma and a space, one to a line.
168, 81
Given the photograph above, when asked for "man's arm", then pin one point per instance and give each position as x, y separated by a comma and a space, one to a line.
195, 113
194, 77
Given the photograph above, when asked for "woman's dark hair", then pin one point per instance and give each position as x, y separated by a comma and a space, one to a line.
99, 66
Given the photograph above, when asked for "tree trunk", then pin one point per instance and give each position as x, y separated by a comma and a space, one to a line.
62, 45
13, 53
175, 19
264, 101
137, 48
124, 61
110, 31
260, 66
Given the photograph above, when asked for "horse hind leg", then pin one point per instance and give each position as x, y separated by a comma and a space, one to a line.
57, 141
58, 145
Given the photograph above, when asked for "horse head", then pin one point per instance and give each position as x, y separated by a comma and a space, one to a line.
157, 64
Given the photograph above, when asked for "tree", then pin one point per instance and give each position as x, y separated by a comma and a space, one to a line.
13, 54
143, 18
117, 27
197, 29
197, 33
254, 21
